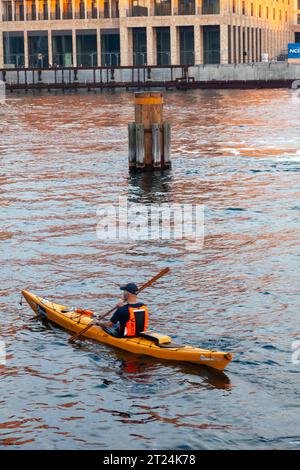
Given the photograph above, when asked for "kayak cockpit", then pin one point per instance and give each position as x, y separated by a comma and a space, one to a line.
163, 341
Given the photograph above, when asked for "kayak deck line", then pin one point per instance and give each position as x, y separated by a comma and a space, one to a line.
149, 343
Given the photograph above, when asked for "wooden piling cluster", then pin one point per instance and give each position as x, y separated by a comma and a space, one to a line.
149, 138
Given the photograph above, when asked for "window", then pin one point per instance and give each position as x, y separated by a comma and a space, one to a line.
229, 44
210, 7
259, 11
163, 50
234, 44
243, 8
211, 44
252, 9
136, 8
186, 7
162, 7
186, 36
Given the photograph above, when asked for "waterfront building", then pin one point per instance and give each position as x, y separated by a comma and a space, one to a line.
297, 22
145, 32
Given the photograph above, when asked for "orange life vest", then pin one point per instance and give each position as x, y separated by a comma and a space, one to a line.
138, 320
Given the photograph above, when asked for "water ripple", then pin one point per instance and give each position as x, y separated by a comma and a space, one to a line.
64, 155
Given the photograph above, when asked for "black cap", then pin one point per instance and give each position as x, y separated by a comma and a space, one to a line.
130, 287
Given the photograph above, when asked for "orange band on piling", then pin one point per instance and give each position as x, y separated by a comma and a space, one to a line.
159, 100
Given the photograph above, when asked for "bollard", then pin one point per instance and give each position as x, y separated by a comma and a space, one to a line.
156, 153
149, 137
140, 146
132, 145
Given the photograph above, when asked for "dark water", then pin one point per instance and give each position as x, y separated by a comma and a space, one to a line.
236, 152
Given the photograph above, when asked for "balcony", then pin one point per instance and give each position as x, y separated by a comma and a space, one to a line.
163, 58
87, 59
187, 57
212, 56
139, 59
17, 60
38, 60
110, 59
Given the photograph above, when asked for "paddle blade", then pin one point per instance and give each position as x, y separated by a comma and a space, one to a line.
154, 279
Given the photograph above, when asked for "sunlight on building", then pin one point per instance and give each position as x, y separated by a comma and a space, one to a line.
145, 32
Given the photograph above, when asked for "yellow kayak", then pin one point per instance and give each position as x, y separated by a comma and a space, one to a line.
149, 343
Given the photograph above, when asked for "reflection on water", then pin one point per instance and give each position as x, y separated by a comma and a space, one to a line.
64, 156
150, 187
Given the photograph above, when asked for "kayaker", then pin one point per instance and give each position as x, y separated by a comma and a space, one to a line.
131, 316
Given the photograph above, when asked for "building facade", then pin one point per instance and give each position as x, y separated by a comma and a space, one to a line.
144, 32
297, 22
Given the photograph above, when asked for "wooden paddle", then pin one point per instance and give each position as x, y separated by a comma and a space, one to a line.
149, 283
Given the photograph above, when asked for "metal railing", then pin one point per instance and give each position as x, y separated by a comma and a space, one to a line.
38, 60
64, 59
78, 15
87, 59
187, 57
139, 58
211, 56
163, 58
283, 56
17, 59
109, 59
